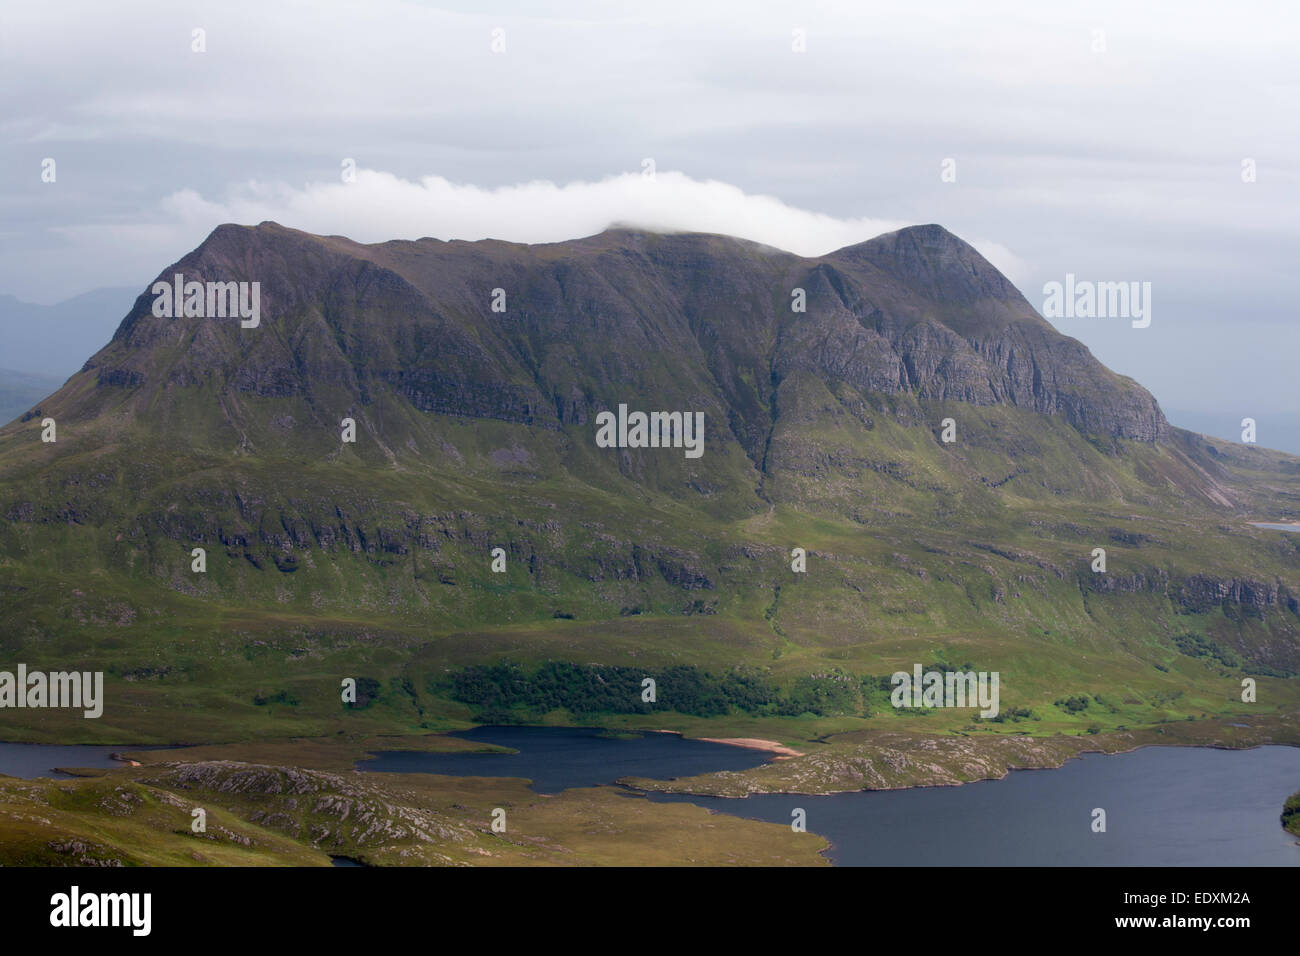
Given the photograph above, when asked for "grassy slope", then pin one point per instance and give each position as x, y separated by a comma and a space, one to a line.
929, 563
259, 814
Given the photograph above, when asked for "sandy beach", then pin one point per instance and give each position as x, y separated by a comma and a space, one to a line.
756, 743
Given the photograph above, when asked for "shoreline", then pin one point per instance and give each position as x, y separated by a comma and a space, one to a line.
627, 782
1060, 750
1053, 753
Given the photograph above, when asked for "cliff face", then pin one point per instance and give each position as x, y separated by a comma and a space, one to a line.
963, 332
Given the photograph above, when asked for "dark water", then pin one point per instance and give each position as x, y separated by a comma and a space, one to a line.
557, 758
1165, 806
39, 760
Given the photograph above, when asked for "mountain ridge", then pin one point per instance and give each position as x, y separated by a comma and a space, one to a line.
904, 338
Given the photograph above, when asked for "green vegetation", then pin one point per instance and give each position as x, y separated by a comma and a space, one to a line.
507, 692
911, 558
1196, 645
1291, 814
1073, 705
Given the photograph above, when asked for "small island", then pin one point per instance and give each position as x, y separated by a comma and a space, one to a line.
1291, 814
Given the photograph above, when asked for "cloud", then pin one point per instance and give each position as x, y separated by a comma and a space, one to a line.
379, 206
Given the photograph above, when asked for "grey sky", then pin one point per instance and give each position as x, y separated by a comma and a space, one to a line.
1123, 164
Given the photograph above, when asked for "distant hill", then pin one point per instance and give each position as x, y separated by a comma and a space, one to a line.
55, 340
41, 345
1274, 429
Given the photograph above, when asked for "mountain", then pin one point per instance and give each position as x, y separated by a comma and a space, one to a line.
917, 312
476, 428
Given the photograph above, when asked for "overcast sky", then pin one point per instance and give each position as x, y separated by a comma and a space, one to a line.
1114, 155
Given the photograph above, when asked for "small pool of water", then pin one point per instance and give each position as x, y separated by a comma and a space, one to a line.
39, 760
558, 758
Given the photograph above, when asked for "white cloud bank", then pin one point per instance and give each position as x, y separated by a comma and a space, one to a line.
379, 206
